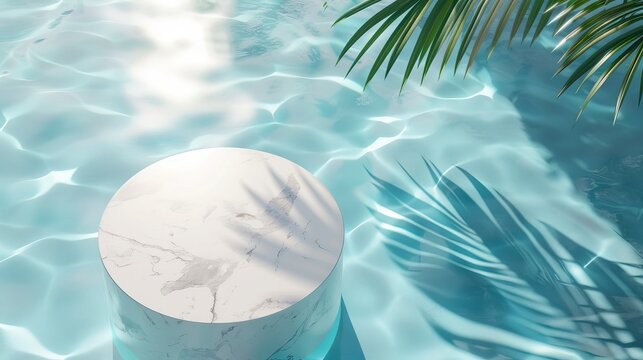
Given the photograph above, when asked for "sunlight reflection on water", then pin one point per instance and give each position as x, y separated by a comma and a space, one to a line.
95, 90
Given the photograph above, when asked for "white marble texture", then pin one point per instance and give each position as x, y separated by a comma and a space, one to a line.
217, 239
290, 334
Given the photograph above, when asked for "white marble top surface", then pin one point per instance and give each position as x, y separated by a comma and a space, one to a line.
220, 235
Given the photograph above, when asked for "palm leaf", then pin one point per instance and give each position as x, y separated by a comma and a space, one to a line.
603, 35
444, 24
472, 251
603, 40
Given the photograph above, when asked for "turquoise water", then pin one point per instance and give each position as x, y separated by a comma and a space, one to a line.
535, 254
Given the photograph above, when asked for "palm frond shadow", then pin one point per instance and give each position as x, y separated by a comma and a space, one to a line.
476, 254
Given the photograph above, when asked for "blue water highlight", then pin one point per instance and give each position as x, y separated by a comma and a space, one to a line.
535, 254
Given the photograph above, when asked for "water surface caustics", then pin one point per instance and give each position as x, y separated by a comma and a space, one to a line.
522, 264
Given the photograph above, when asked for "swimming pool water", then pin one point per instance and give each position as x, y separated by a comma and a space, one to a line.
535, 255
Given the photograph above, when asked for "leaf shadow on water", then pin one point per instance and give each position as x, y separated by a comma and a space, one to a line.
469, 249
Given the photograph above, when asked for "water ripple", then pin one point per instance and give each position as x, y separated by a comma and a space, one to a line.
115, 85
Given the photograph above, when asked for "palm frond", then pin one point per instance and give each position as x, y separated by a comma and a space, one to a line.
604, 35
603, 39
472, 251
443, 24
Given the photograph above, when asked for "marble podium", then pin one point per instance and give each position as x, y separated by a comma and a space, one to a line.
221, 253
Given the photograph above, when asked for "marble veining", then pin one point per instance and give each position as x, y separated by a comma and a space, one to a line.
286, 335
220, 235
